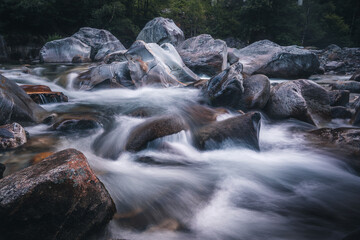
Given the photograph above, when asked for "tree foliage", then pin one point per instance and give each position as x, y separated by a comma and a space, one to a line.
317, 22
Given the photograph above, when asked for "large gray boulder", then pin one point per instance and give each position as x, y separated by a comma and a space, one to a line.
101, 41
16, 105
301, 99
64, 50
58, 198
242, 129
161, 30
3, 51
204, 55
256, 92
85, 45
273, 60
226, 88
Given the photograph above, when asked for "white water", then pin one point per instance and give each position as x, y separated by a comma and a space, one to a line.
289, 190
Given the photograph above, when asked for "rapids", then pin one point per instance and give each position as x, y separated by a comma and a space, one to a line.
288, 190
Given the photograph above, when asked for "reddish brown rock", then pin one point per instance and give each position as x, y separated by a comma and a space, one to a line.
42, 94
40, 156
58, 198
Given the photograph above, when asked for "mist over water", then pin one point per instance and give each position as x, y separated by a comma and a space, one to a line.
288, 190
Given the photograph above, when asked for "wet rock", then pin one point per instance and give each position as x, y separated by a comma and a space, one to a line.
152, 129
340, 112
301, 99
356, 77
199, 115
273, 60
226, 88
355, 235
352, 86
204, 55
70, 122
333, 65
118, 56
233, 55
80, 59
12, 136
40, 156
339, 97
42, 94
101, 41
341, 140
58, 198
2, 170
256, 92
161, 30
242, 129
114, 75
16, 105
356, 120
199, 84
3, 50
64, 50
151, 64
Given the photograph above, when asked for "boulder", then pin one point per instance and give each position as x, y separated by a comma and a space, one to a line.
151, 64
16, 105
273, 60
3, 50
42, 94
333, 65
356, 76
114, 75
339, 97
233, 55
74, 122
152, 129
226, 88
64, 50
204, 55
340, 112
58, 198
256, 92
352, 86
301, 99
242, 129
12, 136
118, 56
340, 140
161, 30
101, 41
2, 170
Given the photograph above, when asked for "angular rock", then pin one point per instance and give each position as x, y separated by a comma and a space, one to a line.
101, 41
58, 198
16, 105
243, 129
339, 97
233, 55
273, 60
301, 99
3, 50
151, 64
12, 136
152, 129
64, 50
114, 75
161, 30
118, 56
204, 55
2, 170
352, 86
356, 76
42, 94
340, 112
256, 92
226, 88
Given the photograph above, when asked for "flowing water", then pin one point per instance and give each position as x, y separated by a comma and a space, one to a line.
288, 190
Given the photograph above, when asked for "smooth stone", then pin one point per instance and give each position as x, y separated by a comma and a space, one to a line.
273, 60
300, 99
58, 198
16, 105
75, 122
12, 136
243, 129
204, 55
226, 88
161, 30
256, 92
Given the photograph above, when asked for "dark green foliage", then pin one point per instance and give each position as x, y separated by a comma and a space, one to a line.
316, 23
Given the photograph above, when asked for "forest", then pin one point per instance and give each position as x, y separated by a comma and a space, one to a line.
315, 23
